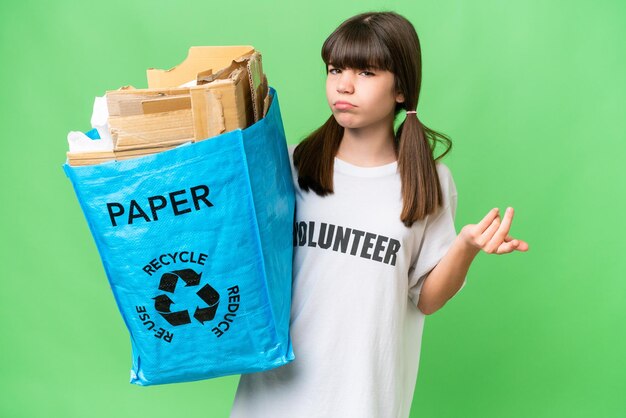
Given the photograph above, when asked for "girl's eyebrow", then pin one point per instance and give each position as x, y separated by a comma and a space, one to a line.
367, 67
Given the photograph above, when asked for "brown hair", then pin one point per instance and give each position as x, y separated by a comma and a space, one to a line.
384, 41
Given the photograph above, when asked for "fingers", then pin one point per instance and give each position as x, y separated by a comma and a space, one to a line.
512, 245
507, 247
497, 233
503, 230
487, 220
489, 232
487, 227
495, 237
519, 245
522, 245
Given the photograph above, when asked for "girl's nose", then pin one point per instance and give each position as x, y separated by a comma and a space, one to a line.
345, 84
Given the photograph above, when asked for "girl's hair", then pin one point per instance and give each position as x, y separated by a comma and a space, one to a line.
383, 41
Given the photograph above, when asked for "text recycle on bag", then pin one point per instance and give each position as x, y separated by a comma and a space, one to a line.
197, 246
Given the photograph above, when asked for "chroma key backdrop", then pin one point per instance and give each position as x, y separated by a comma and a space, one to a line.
531, 94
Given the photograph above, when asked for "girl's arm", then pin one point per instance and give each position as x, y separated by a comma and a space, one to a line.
445, 280
447, 277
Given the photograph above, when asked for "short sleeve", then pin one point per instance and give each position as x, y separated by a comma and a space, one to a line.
438, 236
294, 175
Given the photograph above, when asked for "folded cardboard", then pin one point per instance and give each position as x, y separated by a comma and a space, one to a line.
216, 89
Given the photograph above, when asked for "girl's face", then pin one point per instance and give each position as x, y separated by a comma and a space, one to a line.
360, 98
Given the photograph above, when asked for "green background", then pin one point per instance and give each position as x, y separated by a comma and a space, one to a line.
532, 94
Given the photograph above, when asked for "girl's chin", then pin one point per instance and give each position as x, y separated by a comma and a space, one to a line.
356, 121
347, 121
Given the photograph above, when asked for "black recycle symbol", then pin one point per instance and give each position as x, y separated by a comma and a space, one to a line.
162, 303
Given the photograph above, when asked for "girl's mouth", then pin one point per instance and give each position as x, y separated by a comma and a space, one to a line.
344, 105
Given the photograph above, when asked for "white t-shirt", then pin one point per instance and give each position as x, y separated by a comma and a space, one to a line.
355, 327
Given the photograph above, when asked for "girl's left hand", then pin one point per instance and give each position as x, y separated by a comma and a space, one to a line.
491, 235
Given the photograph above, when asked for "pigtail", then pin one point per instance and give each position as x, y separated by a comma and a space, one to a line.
421, 191
314, 157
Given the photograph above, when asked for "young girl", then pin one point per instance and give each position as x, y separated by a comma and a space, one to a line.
375, 247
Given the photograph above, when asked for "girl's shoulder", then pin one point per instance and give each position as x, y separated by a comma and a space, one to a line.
448, 186
294, 174
290, 148
443, 170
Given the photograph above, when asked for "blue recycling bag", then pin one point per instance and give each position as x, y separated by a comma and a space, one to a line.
197, 245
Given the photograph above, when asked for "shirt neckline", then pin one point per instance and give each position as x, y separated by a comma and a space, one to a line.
360, 171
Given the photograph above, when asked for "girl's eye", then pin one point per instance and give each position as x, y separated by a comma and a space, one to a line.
338, 70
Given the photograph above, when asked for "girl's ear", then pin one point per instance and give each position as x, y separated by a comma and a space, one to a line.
400, 98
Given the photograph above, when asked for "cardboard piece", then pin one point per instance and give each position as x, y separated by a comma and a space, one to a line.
216, 89
257, 86
89, 158
199, 58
